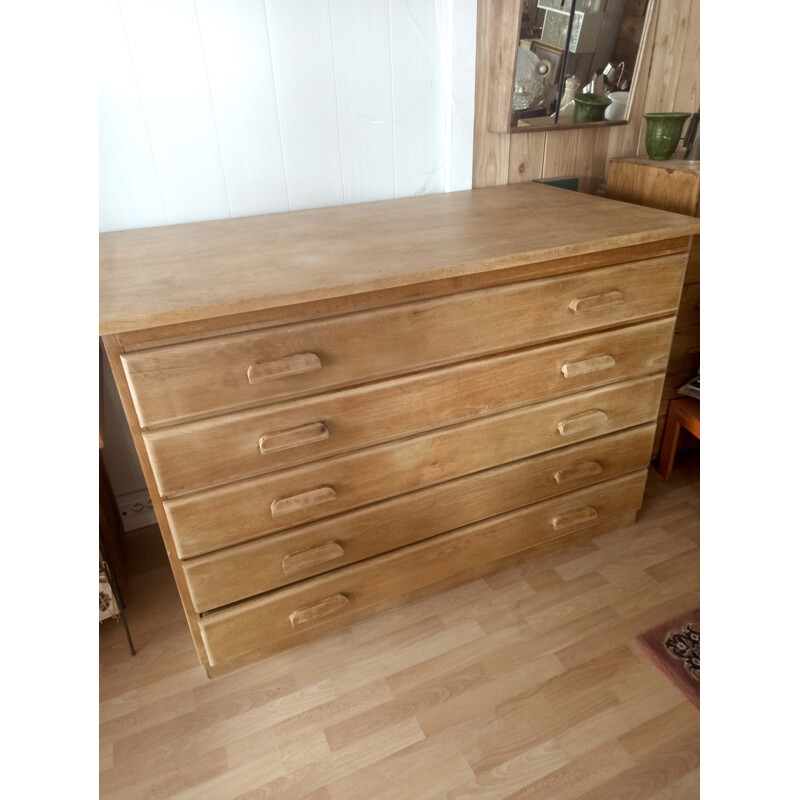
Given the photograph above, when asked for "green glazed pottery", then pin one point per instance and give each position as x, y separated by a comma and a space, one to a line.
663, 134
590, 107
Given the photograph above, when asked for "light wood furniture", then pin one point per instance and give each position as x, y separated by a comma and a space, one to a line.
684, 413
338, 409
672, 185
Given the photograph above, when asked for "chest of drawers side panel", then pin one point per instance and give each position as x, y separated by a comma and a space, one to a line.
113, 351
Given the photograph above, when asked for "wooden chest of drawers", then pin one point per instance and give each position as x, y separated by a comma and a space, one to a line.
338, 409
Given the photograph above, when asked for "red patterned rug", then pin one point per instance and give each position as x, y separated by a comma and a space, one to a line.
674, 648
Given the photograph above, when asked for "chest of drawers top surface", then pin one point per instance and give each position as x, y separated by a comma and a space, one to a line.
184, 273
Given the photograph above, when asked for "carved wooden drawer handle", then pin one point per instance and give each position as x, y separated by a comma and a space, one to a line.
595, 301
324, 608
297, 364
574, 518
293, 437
582, 422
578, 472
596, 364
299, 502
302, 559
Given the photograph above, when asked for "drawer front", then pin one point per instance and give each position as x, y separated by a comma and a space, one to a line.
245, 570
242, 511
224, 449
331, 600
183, 381
218, 518
689, 310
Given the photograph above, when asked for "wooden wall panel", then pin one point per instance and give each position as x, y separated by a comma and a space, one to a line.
490, 152
687, 92
526, 158
576, 152
667, 79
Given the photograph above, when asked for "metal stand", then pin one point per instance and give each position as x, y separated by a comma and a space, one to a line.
117, 596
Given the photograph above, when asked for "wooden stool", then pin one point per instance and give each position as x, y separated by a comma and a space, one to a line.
683, 413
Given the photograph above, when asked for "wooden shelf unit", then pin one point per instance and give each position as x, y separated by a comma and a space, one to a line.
672, 185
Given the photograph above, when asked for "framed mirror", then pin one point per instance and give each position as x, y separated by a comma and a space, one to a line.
564, 63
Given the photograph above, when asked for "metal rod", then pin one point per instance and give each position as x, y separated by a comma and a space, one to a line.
117, 597
563, 77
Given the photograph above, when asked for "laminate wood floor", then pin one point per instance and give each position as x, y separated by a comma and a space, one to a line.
523, 684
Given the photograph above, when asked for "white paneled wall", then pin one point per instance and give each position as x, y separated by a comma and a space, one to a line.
218, 108
228, 108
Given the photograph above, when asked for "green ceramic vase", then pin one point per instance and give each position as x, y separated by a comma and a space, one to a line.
663, 134
590, 107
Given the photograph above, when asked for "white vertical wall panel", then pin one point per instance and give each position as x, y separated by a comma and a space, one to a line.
239, 66
362, 59
462, 16
220, 108
167, 56
302, 52
129, 193
420, 107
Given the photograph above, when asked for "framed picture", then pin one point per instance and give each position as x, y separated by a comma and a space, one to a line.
552, 55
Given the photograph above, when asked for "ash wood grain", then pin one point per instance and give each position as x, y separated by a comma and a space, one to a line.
131, 341
180, 382
577, 152
526, 157
504, 25
241, 511
180, 273
266, 621
424, 658
235, 446
236, 573
672, 185
490, 150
